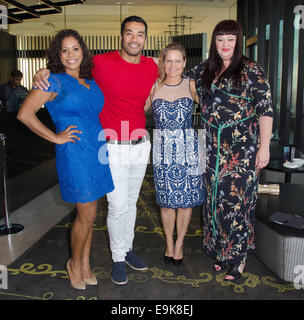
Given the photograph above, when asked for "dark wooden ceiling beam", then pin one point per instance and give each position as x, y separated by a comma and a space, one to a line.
44, 6
26, 16
52, 5
12, 17
22, 7
21, 12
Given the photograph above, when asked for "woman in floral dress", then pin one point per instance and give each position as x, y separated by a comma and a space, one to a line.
236, 113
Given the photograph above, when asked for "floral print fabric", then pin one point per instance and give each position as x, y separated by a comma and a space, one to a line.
231, 119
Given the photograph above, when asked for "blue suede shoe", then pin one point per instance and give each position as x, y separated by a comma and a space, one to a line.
119, 273
135, 262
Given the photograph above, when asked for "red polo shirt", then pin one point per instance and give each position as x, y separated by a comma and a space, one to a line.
126, 87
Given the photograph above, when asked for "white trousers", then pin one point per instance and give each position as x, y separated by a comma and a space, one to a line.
128, 165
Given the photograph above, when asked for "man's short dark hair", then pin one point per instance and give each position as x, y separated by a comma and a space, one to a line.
16, 74
133, 19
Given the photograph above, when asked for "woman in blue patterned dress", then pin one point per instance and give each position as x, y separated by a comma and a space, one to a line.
177, 169
236, 112
74, 102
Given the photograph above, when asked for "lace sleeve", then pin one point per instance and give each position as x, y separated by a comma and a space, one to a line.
55, 85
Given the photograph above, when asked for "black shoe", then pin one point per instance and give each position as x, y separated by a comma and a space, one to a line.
177, 262
234, 272
220, 265
168, 259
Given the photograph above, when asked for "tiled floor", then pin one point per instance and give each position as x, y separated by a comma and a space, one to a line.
37, 217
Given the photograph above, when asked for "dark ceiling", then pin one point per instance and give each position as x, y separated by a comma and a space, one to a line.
18, 12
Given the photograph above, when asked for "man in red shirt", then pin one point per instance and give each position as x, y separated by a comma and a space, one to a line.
125, 78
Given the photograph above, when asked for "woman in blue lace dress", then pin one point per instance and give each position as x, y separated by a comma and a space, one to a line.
74, 102
176, 165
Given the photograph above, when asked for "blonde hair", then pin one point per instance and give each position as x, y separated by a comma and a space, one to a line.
172, 46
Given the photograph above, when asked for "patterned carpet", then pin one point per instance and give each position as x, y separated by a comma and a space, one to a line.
39, 274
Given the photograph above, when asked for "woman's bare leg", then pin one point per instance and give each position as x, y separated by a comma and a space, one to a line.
81, 237
182, 223
168, 217
86, 269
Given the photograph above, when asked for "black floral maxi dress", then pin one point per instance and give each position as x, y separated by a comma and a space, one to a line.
231, 117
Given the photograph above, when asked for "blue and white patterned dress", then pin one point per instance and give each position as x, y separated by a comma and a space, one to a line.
177, 165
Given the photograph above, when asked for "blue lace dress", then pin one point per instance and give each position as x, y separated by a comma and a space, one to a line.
176, 163
82, 167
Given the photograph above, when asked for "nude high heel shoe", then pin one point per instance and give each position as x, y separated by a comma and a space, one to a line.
79, 285
91, 281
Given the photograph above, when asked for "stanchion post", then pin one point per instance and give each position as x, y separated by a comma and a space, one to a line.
7, 229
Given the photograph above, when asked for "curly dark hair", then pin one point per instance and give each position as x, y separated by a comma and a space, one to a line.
53, 61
